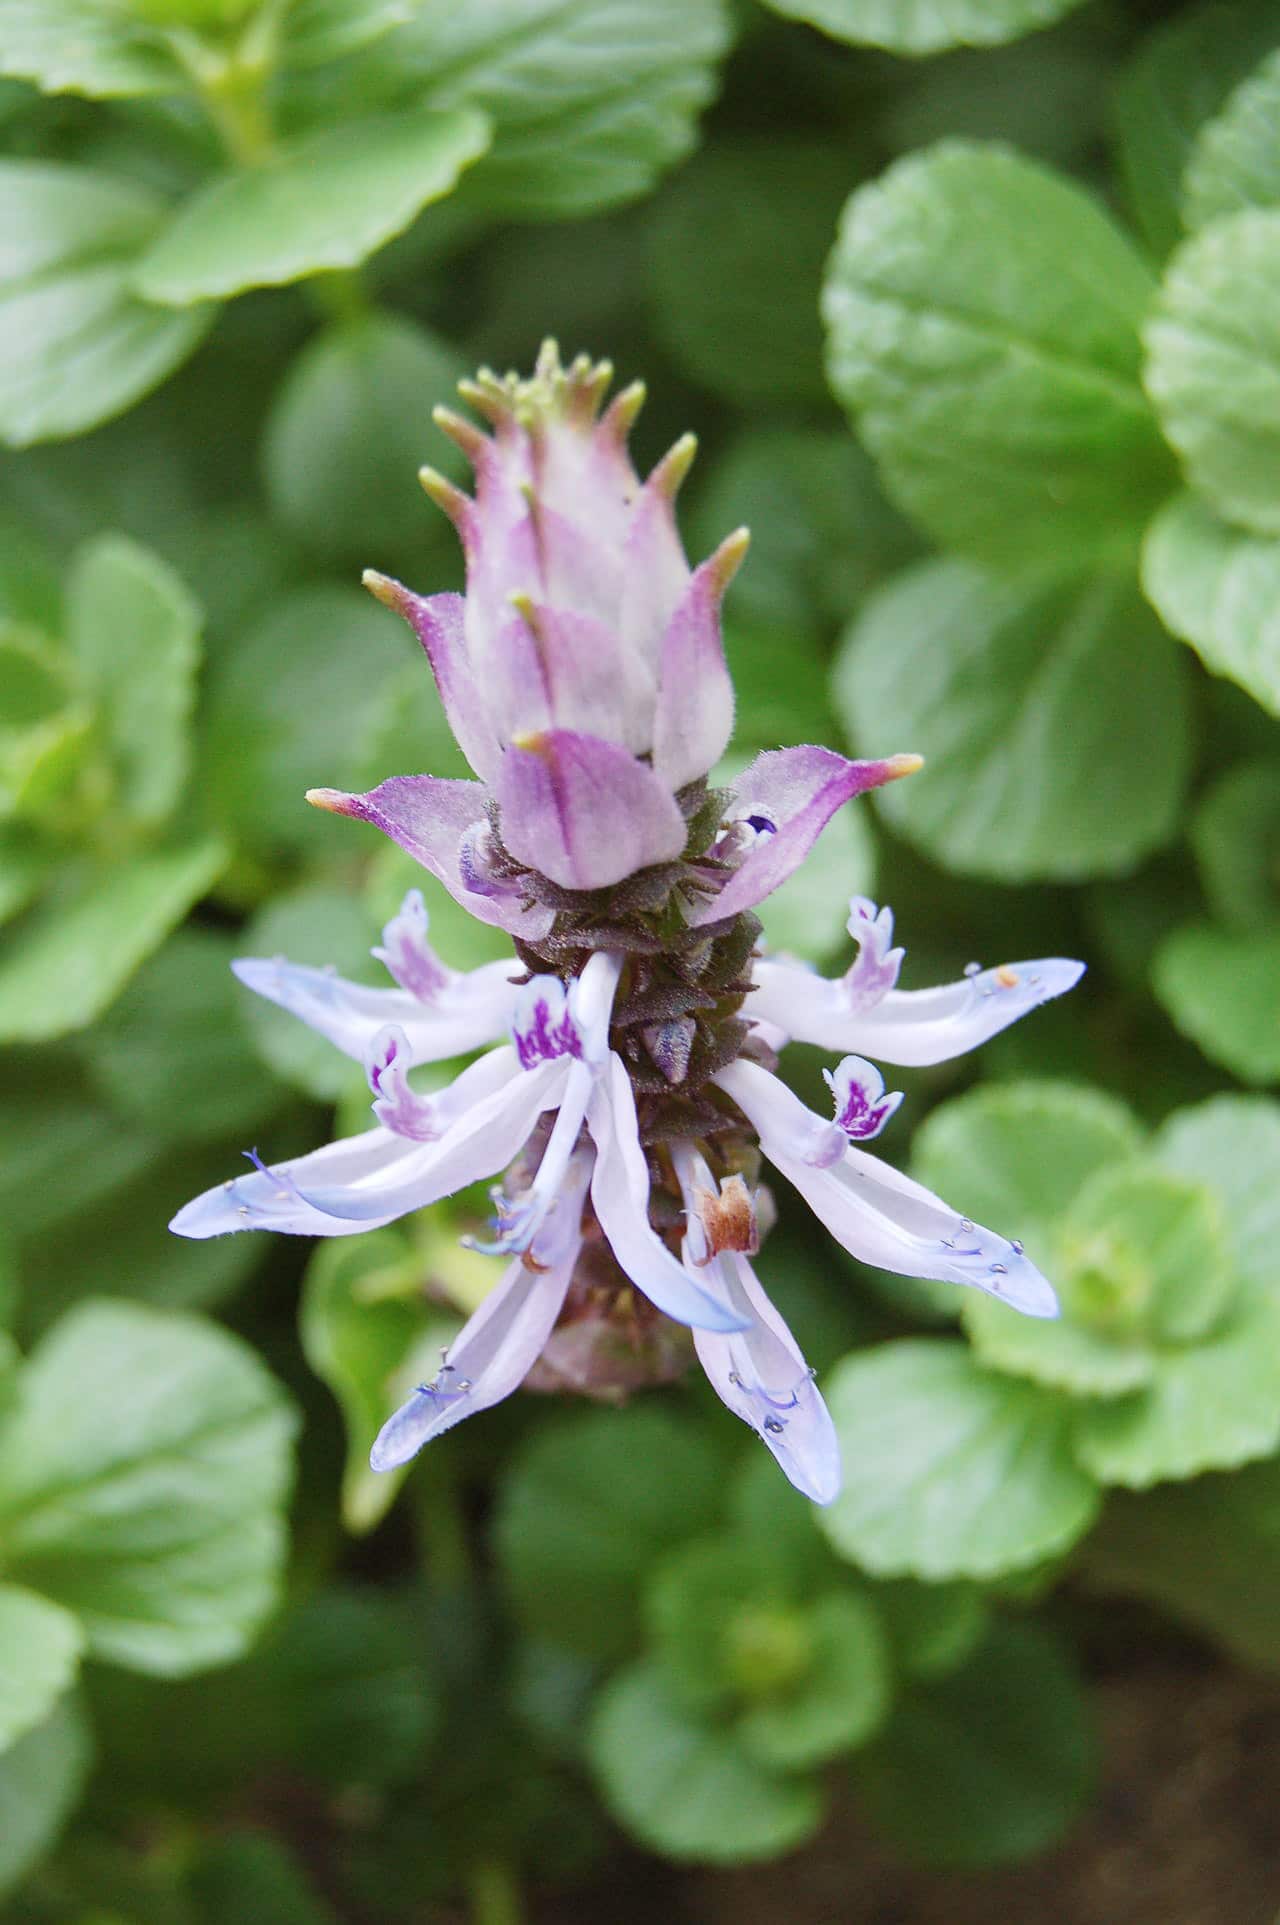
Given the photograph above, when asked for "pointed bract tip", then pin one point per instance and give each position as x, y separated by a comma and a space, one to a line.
454, 503
674, 466
387, 590
463, 433
729, 557
332, 801
620, 416
897, 766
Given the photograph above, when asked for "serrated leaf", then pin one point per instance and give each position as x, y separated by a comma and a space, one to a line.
1180, 76
1218, 588
1031, 705
347, 431
1233, 1143
327, 200
1235, 162
992, 1763
358, 1338
584, 1510
1019, 1153
45, 726
950, 1471
687, 1789
1213, 365
1211, 1406
737, 246
134, 631
85, 47
1062, 1356
983, 320
143, 1475
1235, 834
924, 26
67, 961
40, 1647
1144, 1251
41, 1778
77, 346
841, 1699
1221, 988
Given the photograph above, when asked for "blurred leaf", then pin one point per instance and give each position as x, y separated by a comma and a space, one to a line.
61, 1147
1216, 587
85, 47
1046, 95
76, 344
328, 200
1066, 1355
329, 930
983, 321
135, 632
932, 1627
1221, 987
290, 701
1233, 1143
737, 249
569, 138
30, 587
249, 1875
723, 1623
1235, 162
585, 1508
822, 536
992, 1763
1207, 1551
689, 1790
348, 430
842, 1697
45, 727
174, 1051
1019, 1153
1235, 833
1213, 1406
408, 729
142, 1479
358, 1338
950, 1471
1180, 76
314, 31
40, 1647
1032, 705
1213, 365
924, 26
41, 1778
74, 954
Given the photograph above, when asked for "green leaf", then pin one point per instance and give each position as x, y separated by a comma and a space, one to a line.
992, 1763
1217, 587
292, 700
1236, 161
53, 1123
177, 1033
1221, 988
40, 1647
45, 727
569, 138
41, 1778
75, 953
950, 1471
822, 536
983, 322
1065, 1355
1207, 1552
1213, 1406
328, 200
135, 632
737, 246
1017, 1154
932, 1627
1031, 705
361, 1335
85, 47
314, 31
326, 928
347, 432
924, 26
1144, 1250
1213, 365
76, 344
249, 1874
687, 1789
723, 1624
1180, 76
143, 1475
1233, 1143
1235, 833
839, 1701
585, 1509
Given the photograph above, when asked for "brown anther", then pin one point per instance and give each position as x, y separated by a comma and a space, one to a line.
729, 1219
1007, 977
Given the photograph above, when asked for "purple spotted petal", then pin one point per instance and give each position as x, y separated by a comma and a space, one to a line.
585, 812
862, 1105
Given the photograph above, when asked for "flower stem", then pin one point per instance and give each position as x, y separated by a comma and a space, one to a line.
493, 1893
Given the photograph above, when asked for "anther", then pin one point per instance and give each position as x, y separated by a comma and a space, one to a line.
999, 1269
774, 1425
1017, 1246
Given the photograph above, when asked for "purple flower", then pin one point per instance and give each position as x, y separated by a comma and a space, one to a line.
626, 1086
